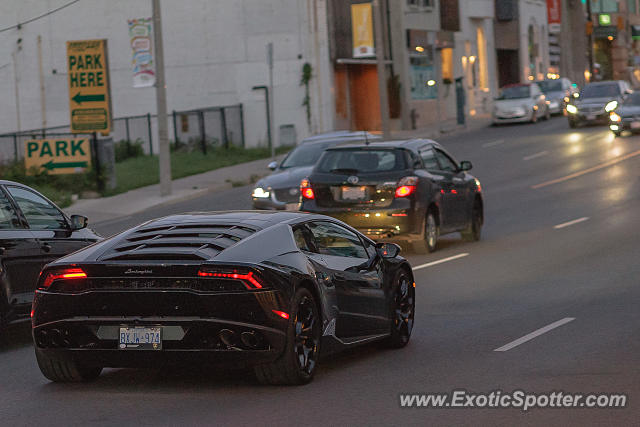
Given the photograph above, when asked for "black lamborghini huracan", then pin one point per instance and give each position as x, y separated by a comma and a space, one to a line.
264, 289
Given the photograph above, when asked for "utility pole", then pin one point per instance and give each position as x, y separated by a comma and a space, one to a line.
161, 104
43, 101
16, 80
270, 98
381, 68
590, 39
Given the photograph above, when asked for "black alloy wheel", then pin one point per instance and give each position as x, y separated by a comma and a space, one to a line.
402, 310
307, 339
429, 239
534, 116
298, 362
474, 230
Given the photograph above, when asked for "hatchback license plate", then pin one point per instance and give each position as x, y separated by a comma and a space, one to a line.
591, 116
138, 338
353, 193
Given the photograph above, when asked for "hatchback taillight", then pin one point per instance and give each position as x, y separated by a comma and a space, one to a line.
406, 186
306, 190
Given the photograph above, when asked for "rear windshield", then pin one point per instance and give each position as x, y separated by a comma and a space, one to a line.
515, 92
305, 155
547, 86
362, 161
600, 91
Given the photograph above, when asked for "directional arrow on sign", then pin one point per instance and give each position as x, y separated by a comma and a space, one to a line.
50, 165
79, 98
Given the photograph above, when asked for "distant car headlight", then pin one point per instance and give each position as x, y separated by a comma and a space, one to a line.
614, 117
576, 95
260, 193
611, 106
572, 109
566, 99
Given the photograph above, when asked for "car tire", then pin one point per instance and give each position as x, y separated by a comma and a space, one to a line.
298, 362
573, 124
66, 371
617, 134
429, 240
402, 307
547, 115
534, 117
473, 232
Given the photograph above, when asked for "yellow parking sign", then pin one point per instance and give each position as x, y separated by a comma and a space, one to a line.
89, 94
57, 156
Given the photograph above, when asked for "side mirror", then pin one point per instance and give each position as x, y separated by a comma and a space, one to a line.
78, 222
465, 165
388, 250
273, 166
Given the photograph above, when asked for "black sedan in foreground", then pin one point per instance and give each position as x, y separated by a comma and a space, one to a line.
266, 289
626, 116
410, 191
33, 232
281, 189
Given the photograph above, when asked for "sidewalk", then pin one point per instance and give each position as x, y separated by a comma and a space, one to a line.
131, 202
446, 128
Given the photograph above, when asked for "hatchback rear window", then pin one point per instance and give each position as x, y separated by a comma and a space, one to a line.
362, 161
600, 91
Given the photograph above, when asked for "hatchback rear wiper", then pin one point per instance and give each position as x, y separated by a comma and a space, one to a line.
344, 170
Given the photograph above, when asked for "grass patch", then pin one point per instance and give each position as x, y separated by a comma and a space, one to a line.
135, 172
142, 171
57, 188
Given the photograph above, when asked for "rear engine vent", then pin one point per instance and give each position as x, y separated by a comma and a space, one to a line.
185, 242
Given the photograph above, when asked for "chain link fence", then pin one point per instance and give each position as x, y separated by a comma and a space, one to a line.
192, 129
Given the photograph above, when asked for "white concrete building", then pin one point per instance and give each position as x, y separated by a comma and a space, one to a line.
521, 40
215, 52
475, 56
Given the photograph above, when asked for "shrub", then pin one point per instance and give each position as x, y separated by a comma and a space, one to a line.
126, 149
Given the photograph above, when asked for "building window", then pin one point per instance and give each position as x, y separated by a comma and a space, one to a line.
421, 73
598, 6
447, 65
631, 6
420, 3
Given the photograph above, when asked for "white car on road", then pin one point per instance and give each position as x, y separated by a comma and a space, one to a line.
520, 103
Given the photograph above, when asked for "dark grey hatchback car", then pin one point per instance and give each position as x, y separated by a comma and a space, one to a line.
33, 233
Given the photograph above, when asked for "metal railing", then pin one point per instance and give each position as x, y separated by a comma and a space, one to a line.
201, 128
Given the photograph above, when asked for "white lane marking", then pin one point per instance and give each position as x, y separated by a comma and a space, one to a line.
535, 333
568, 223
535, 156
440, 261
493, 143
586, 171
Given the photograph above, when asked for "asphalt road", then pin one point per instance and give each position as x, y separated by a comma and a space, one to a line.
560, 243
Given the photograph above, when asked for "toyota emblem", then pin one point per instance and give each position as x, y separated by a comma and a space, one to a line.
352, 179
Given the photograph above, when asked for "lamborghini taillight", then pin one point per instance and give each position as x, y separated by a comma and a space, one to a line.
250, 279
66, 274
